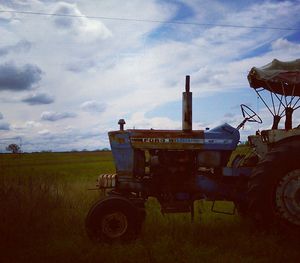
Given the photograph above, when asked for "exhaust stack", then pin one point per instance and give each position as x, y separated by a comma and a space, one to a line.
187, 96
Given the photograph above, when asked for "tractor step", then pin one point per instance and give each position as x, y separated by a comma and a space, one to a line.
222, 211
179, 207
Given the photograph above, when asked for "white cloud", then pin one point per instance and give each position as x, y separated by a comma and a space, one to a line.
86, 29
38, 99
140, 121
28, 126
55, 116
4, 126
32, 124
21, 46
282, 44
93, 106
44, 132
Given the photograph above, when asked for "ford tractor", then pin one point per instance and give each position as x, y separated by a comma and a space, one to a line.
178, 167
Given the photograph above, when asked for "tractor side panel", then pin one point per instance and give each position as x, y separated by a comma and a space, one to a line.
122, 152
167, 139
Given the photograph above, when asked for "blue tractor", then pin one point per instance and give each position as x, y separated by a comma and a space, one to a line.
178, 167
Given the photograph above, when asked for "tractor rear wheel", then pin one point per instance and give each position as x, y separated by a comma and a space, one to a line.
114, 219
274, 189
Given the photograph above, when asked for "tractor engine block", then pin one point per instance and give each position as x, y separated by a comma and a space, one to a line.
172, 170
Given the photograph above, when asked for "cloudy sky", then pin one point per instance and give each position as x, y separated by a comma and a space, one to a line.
67, 80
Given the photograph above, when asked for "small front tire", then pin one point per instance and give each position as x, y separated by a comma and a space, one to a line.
113, 219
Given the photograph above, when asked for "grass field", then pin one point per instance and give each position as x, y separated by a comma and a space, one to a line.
44, 200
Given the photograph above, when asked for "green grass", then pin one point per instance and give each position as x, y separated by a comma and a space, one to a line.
44, 199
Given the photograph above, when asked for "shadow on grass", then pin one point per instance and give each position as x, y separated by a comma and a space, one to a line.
42, 220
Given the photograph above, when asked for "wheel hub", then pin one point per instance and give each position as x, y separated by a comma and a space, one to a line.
114, 225
288, 197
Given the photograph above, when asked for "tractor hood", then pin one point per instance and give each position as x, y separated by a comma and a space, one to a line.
279, 77
223, 137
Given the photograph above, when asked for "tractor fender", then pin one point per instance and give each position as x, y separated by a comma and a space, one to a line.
112, 200
288, 140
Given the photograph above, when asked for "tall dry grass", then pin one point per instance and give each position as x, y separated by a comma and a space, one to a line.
44, 201
29, 206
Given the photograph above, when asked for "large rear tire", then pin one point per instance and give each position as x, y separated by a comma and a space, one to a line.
274, 189
114, 219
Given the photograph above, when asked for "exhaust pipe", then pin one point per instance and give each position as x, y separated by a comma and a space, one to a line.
187, 97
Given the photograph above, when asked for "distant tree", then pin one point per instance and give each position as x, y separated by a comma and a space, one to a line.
105, 150
14, 148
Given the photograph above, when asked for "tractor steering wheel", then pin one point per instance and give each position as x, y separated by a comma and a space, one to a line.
249, 114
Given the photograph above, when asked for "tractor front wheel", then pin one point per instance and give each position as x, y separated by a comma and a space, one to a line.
114, 219
274, 189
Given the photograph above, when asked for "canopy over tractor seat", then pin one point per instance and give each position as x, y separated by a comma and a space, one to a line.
279, 77
282, 80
